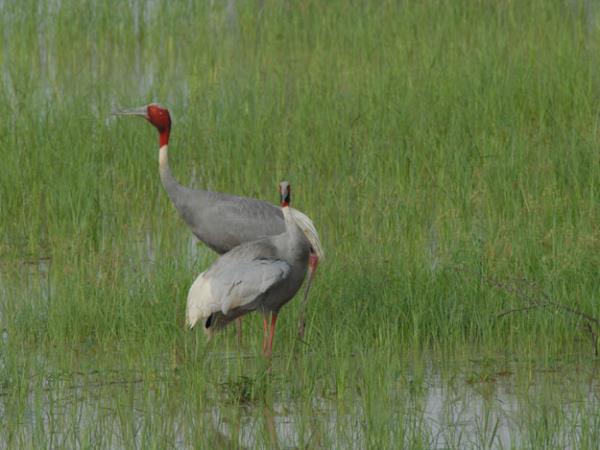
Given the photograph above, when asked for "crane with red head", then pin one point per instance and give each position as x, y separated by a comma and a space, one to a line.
223, 221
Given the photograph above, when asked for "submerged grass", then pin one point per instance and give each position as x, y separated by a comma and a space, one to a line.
447, 152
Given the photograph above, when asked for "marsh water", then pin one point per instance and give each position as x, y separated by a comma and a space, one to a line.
204, 396
474, 406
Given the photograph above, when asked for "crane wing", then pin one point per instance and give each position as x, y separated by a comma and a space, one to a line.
233, 285
244, 282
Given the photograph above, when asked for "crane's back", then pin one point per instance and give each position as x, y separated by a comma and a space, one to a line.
224, 221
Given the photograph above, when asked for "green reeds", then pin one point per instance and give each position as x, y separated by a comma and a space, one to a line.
447, 152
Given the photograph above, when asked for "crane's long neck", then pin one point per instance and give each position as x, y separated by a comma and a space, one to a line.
169, 182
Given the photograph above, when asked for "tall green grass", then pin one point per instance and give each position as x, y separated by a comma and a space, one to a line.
447, 152
420, 138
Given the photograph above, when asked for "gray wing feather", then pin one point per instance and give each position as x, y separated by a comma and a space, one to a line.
241, 283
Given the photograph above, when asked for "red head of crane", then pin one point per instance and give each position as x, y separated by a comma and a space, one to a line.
157, 116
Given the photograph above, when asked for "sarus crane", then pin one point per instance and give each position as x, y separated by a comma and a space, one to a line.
262, 276
224, 221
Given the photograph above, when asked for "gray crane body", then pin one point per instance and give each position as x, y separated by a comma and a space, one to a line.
259, 276
223, 221
266, 251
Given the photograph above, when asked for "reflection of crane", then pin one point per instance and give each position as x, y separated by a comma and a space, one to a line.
219, 220
261, 275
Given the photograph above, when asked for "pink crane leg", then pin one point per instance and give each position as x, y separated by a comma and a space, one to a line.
271, 334
313, 262
265, 325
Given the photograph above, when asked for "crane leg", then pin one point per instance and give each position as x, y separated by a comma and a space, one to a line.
313, 262
265, 329
269, 351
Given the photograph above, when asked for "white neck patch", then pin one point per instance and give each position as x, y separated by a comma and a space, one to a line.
163, 156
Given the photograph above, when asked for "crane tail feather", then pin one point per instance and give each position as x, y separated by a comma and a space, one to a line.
308, 228
201, 305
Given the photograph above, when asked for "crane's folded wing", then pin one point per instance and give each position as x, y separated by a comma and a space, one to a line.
243, 283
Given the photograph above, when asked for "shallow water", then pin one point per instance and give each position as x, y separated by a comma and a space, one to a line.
474, 408
434, 404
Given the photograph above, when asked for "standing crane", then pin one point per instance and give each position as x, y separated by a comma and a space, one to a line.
262, 275
223, 221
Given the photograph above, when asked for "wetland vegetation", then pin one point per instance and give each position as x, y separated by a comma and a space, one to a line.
447, 152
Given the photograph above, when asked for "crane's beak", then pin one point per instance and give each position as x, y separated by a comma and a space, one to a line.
142, 111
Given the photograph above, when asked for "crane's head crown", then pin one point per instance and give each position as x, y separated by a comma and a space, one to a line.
159, 117
285, 193
156, 115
